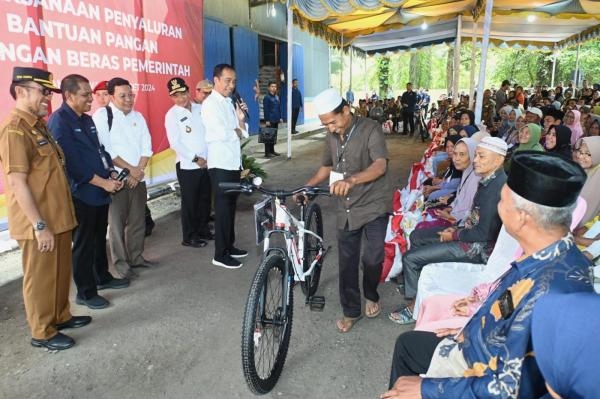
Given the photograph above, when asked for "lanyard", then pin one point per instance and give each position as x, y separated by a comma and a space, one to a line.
464, 182
337, 149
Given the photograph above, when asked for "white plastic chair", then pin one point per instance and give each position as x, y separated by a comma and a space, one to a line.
460, 278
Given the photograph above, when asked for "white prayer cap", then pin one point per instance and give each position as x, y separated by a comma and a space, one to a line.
327, 101
535, 111
494, 144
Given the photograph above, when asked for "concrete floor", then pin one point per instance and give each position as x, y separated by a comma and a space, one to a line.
175, 332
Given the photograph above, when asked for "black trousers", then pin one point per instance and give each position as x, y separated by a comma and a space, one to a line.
349, 245
90, 263
408, 117
412, 354
225, 204
426, 248
270, 147
195, 201
295, 113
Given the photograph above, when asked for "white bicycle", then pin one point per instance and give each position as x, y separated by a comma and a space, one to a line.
267, 325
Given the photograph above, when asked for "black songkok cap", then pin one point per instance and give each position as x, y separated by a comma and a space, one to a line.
555, 113
545, 178
26, 74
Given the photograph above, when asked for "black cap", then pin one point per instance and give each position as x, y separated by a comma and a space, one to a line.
176, 85
545, 178
26, 74
555, 113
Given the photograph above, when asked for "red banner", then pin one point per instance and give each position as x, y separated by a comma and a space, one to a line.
145, 42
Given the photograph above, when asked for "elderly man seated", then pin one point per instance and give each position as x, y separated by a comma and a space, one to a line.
492, 356
470, 242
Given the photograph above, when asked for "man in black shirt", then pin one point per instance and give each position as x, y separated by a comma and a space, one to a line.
409, 100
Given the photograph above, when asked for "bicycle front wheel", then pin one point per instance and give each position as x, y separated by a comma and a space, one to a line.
267, 325
313, 221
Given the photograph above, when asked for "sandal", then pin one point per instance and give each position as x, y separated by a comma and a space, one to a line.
402, 316
345, 324
375, 308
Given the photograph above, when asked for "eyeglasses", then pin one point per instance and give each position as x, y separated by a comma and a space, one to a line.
199, 90
45, 91
582, 154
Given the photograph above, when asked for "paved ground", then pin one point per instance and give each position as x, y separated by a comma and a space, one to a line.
175, 332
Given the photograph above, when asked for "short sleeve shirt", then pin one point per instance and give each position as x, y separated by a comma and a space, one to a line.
364, 144
27, 147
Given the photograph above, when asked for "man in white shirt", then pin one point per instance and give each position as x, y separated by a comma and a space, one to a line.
125, 135
185, 132
224, 127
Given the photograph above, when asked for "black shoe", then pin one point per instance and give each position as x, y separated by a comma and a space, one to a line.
194, 243
207, 236
275, 154
269, 155
115, 283
74, 322
56, 343
227, 262
237, 253
146, 264
96, 302
295, 132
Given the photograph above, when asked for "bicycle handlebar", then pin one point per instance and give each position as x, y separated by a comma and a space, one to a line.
246, 187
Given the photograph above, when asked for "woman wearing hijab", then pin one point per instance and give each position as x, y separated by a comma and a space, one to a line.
512, 134
573, 122
448, 183
564, 334
464, 154
467, 117
504, 126
529, 138
558, 140
587, 154
467, 131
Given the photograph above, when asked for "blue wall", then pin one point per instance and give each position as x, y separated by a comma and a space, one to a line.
216, 51
245, 62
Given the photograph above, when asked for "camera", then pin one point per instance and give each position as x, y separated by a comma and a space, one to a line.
123, 174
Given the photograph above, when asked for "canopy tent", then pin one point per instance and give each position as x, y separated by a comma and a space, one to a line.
390, 25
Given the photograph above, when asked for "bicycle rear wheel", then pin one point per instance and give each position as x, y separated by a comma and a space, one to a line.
267, 326
313, 221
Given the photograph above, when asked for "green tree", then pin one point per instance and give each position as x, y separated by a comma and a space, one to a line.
383, 75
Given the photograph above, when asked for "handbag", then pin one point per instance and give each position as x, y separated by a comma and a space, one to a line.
267, 135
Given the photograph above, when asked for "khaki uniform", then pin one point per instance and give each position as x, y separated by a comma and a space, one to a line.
27, 147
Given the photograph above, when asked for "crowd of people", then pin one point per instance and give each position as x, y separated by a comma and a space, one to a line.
497, 216
509, 209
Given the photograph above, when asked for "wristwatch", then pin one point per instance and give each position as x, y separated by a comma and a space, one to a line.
39, 225
196, 158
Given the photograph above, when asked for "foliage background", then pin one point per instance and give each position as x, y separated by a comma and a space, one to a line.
431, 68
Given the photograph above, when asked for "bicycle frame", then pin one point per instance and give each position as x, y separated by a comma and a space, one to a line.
290, 227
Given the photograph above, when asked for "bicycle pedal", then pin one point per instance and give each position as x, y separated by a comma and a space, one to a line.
316, 303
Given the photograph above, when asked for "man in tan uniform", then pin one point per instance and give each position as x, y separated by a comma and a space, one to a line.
40, 209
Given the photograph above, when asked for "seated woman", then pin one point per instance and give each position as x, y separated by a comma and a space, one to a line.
462, 159
516, 122
572, 121
594, 129
467, 131
587, 154
448, 182
558, 140
467, 118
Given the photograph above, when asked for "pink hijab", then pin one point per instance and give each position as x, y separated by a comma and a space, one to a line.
576, 129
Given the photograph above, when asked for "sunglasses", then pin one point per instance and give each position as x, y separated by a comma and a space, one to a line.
45, 91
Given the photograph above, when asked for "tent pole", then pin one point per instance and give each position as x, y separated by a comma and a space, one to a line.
457, 60
472, 78
290, 76
351, 51
365, 75
554, 57
577, 62
485, 41
342, 66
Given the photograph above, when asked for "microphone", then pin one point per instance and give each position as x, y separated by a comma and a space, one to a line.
123, 174
239, 101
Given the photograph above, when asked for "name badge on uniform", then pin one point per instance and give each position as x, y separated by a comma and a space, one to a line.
188, 129
42, 142
335, 176
104, 160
